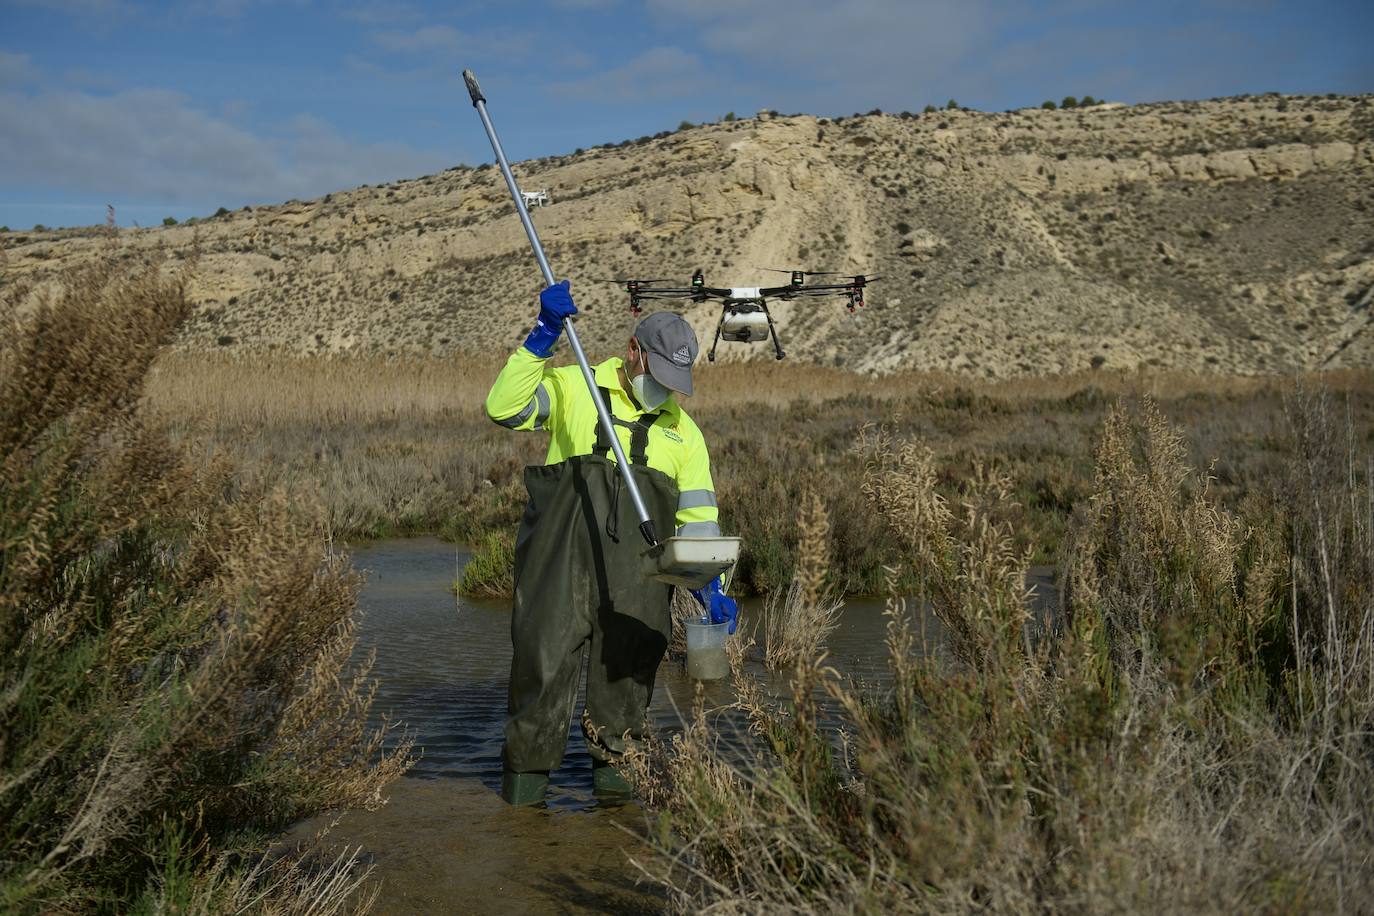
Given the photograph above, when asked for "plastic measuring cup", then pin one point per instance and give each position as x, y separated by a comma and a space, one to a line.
706, 660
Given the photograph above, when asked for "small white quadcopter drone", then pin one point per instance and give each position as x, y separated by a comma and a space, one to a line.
744, 315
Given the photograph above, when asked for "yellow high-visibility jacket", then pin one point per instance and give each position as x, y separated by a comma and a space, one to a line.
529, 395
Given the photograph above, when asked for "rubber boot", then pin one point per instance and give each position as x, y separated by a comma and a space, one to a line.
608, 784
523, 788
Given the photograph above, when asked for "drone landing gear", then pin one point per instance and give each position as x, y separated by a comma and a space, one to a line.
773, 332
711, 356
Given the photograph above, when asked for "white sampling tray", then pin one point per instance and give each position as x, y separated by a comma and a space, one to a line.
690, 562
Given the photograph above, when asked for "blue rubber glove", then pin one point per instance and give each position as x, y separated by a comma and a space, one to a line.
720, 607
555, 304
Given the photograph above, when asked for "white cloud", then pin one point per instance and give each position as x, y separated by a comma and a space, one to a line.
14, 69
384, 12
658, 73
819, 55
155, 145
575, 59
442, 38
232, 9
824, 54
83, 78
83, 8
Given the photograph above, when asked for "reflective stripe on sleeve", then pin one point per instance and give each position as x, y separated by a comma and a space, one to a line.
521, 417
541, 396
699, 530
695, 499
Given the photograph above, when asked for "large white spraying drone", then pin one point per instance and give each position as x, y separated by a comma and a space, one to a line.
744, 315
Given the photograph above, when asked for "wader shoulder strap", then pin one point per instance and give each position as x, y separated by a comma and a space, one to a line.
639, 433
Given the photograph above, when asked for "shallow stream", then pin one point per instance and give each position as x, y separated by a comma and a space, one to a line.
445, 842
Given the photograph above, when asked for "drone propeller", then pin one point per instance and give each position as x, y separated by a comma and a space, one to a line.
810, 273
633, 280
858, 278
855, 279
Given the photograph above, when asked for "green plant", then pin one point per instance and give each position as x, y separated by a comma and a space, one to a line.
952, 105
1087, 101
729, 116
491, 571
175, 642
685, 125
1069, 102
929, 109
1048, 105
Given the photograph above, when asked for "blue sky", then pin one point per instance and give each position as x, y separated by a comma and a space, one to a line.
177, 109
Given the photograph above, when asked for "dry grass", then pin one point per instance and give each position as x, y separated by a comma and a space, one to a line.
1194, 735
397, 446
800, 619
264, 390
388, 447
175, 642
267, 392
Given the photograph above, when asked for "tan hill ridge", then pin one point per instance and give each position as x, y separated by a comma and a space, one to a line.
1233, 235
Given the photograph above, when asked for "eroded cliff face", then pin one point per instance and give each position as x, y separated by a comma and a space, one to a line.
1232, 235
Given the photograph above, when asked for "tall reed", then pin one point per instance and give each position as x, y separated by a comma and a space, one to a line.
396, 445
800, 619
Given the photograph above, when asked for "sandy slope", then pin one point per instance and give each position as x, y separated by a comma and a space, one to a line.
1233, 234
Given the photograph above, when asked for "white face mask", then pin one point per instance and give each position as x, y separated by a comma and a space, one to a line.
650, 394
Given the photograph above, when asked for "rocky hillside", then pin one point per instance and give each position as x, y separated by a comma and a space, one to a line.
1232, 234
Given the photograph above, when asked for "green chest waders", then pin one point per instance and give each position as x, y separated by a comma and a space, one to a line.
578, 580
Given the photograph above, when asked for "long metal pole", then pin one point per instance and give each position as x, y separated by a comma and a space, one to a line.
479, 101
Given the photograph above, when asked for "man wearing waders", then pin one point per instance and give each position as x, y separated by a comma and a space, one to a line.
578, 577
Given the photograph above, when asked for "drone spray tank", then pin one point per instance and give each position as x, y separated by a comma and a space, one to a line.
744, 320
689, 562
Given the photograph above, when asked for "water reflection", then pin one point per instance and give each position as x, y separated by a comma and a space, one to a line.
443, 663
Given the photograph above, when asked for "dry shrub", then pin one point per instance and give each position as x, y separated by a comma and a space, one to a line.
175, 644
1191, 735
296, 884
684, 607
800, 619
964, 563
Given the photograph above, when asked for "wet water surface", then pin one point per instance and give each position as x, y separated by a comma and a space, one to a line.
443, 663
445, 841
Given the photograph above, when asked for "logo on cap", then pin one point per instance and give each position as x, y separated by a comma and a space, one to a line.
682, 356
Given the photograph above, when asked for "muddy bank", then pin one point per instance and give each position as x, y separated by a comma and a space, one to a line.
452, 845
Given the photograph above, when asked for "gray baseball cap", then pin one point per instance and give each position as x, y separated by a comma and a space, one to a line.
670, 345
